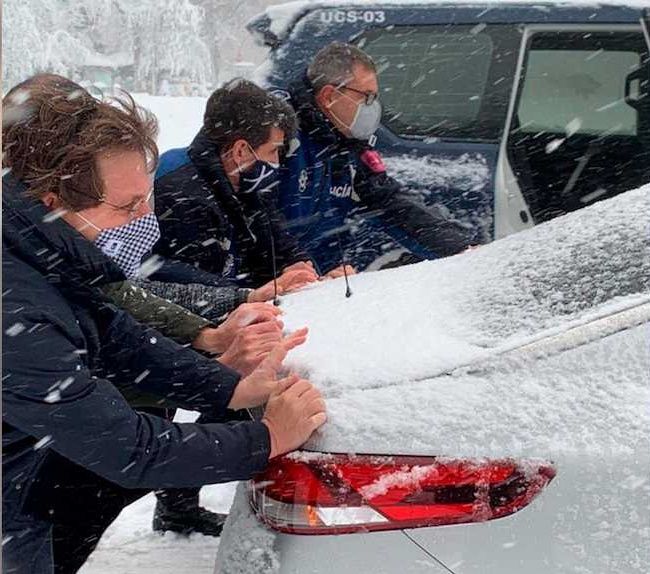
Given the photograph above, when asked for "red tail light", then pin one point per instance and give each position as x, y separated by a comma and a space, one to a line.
305, 493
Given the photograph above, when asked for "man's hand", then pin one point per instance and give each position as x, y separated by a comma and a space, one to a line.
301, 266
219, 340
293, 278
251, 346
254, 390
209, 340
339, 272
294, 411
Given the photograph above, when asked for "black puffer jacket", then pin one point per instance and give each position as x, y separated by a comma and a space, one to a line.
204, 223
66, 349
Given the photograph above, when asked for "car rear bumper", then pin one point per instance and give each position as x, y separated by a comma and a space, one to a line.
248, 547
376, 552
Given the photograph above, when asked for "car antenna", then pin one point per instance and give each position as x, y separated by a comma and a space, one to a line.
348, 291
276, 299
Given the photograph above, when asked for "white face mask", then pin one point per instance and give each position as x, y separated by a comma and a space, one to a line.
128, 244
366, 120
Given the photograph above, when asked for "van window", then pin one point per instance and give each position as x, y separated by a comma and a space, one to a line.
578, 82
444, 81
575, 139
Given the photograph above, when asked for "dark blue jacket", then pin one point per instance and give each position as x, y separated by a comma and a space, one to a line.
65, 350
204, 223
335, 193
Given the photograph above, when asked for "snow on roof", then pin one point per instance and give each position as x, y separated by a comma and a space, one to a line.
468, 172
116, 60
282, 16
407, 329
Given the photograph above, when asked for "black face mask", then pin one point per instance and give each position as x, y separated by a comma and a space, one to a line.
261, 177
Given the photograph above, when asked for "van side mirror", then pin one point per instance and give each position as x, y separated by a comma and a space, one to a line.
637, 87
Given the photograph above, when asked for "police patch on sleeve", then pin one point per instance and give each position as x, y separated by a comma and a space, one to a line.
372, 160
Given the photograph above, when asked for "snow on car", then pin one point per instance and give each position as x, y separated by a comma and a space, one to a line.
487, 412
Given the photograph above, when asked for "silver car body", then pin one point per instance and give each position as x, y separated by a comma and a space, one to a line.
550, 359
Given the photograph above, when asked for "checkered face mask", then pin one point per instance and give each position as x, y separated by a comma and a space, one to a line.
128, 244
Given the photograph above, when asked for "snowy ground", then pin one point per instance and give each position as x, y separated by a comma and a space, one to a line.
131, 547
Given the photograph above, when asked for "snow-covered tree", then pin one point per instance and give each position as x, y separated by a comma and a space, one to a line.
22, 45
224, 31
181, 41
103, 23
168, 43
35, 38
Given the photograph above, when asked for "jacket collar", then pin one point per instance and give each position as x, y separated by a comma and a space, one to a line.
49, 244
313, 121
206, 157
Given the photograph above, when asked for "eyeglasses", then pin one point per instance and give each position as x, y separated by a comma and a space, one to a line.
133, 208
369, 97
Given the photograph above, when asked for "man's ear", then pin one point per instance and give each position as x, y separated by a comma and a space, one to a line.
51, 200
326, 96
240, 151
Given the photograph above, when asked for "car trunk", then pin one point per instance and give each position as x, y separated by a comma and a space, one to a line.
531, 348
589, 519
578, 399
584, 408
425, 320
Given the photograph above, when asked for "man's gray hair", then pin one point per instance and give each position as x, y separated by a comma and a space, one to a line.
334, 65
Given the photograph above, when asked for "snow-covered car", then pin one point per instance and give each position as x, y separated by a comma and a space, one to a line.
487, 413
504, 113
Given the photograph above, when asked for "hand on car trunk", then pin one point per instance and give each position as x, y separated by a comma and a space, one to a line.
340, 271
255, 389
218, 340
251, 346
294, 411
293, 278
